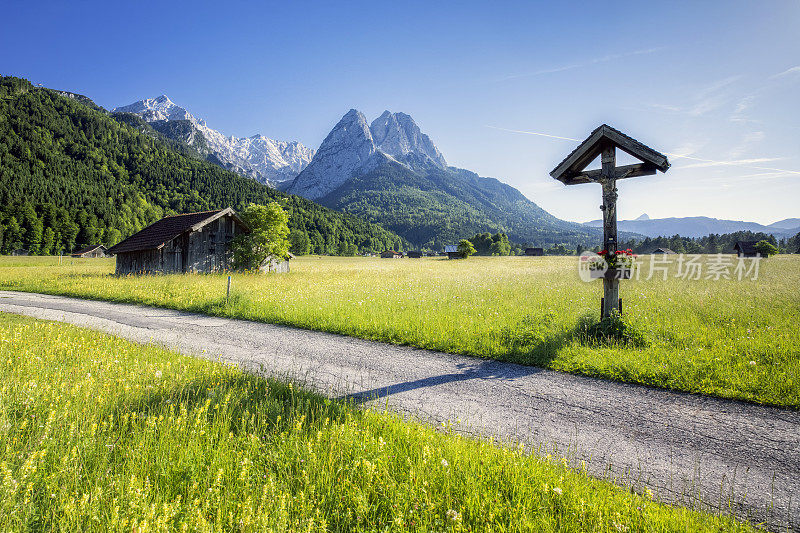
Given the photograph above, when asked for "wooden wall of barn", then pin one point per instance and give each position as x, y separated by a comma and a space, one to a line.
202, 251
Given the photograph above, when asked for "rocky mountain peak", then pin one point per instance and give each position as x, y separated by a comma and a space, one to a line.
355, 147
397, 135
348, 148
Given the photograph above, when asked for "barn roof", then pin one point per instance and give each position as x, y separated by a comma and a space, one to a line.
450, 248
87, 249
570, 170
746, 247
161, 232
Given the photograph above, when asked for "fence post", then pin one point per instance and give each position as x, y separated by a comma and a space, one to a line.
228, 293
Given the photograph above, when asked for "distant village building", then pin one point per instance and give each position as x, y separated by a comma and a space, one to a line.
534, 251
20, 251
662, 251
391, 254
746, 248
414, 254
95, 250
452, 251
194, 242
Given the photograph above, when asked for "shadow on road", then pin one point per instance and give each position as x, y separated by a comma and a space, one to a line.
484, 370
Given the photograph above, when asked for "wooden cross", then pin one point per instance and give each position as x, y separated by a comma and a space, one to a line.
604, 142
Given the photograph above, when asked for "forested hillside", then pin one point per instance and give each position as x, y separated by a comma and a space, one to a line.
70, 174
432, 207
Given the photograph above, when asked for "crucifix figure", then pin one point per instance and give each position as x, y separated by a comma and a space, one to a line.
604, 142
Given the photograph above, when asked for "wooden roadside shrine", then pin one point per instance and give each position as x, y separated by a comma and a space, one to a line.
604, 142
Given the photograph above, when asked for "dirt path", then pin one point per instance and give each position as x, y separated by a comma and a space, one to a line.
686, 448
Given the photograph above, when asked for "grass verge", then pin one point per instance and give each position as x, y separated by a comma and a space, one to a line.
100, 434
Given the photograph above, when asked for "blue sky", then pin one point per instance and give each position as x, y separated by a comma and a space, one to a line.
717, 82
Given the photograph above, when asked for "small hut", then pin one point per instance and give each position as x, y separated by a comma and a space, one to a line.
534, 251
276, 264
391, 254
452, 251
662, 251
93, 251
746, 248
414, 254
20, 251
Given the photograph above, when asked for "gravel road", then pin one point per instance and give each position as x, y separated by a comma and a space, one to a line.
689, 449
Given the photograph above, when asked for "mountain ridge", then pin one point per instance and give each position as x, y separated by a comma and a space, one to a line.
266, 160
390, 172
699, 226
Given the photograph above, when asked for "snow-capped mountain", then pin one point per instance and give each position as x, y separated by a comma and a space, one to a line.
354, 147
262, 158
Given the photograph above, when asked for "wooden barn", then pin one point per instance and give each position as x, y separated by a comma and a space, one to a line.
95, 250
414, 254
662, 251
534, 251
391, 254
452, 251
194, 242
746, 248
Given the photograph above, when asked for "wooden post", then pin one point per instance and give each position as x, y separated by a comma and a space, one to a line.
609, 182
228, 293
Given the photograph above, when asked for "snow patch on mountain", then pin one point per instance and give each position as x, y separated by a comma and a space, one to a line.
267, 160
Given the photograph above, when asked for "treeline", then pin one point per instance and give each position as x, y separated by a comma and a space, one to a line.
72, 175
710, 244
499, 244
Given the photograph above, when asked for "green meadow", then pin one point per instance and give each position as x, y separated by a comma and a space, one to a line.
100, 434
728, 337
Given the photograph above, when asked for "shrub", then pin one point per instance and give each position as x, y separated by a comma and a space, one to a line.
766, 248
465, 248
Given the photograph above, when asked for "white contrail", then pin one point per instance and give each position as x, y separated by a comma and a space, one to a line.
738, 163
533, 133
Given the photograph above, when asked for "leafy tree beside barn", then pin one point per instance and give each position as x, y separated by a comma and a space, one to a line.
268, 236
465, 248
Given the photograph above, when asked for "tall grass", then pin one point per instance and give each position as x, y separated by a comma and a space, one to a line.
735, 339
99, 434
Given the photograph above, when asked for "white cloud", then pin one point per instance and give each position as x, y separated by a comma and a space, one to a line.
571, 66
746, 163
734, 162
703, 100
788, 72
746, 145
701, 162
